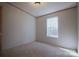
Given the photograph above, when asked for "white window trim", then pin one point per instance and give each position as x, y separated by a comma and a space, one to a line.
53, 36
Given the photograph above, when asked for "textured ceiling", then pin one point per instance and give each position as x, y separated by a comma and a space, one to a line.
44, 8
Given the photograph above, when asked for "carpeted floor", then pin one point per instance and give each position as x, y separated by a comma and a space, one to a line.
37, 49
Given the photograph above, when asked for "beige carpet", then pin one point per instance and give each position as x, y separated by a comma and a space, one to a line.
37, 49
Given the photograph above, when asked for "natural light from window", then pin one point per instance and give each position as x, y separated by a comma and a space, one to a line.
52, 27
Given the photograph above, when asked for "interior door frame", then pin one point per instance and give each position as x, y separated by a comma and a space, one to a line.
1, 34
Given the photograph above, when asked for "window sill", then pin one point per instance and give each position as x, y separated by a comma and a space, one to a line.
52, 36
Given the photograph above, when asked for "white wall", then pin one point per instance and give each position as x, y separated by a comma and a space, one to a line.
78, 26
67, 29
18, 27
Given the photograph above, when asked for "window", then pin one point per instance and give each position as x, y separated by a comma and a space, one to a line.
52, 27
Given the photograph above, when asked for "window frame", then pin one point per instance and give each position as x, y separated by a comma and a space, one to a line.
52, 36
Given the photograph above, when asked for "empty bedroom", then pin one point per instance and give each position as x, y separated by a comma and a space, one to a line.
39, 29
